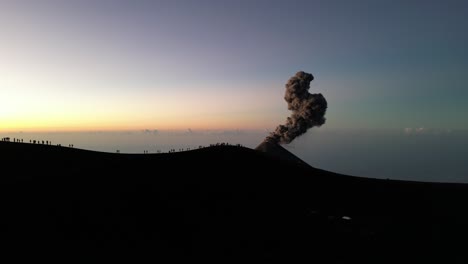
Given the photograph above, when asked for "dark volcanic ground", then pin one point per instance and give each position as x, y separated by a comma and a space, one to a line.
223, 204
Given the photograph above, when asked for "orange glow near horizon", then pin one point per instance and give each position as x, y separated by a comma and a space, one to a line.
45, 107
102, 122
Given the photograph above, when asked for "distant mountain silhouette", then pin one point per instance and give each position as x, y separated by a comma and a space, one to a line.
218, 204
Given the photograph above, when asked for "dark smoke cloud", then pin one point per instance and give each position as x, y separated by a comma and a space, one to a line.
308, 110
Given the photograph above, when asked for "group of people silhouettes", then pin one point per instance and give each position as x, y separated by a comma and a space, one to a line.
33, 141
42, 142
48, 142
200, 147
7, 139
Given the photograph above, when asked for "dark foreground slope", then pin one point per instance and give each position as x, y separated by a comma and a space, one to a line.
217, 204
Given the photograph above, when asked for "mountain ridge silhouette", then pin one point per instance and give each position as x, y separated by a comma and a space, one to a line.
222, 203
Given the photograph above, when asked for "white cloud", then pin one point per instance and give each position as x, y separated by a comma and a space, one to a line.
426, 131
149, 131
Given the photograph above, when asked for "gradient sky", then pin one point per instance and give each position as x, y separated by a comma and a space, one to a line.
116, 65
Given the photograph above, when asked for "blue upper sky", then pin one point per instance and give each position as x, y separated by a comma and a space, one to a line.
223, 64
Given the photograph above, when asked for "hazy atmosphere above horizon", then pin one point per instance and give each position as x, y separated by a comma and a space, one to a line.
106, 65
388, 66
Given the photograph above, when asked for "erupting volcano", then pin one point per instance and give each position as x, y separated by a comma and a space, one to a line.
308, 110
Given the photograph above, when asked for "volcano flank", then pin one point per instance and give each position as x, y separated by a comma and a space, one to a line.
222, 203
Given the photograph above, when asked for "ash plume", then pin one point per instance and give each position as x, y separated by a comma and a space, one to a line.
308, 110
